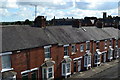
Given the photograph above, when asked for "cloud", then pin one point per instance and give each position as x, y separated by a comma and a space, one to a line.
96, 5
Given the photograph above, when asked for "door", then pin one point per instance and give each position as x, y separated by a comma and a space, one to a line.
79, 65
75, 63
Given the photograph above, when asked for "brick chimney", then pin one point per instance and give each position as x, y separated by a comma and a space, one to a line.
76, 23
40, 22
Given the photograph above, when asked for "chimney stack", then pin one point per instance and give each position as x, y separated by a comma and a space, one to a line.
104, 15
40, 22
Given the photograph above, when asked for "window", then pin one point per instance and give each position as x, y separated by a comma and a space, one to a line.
25, 76
89, 60
116, 42
97, 44
65, 50
47, 52
87, 45
66, 69
63, 68
6, 62
85, 60
73, 48
34, 75
110, 43
81, 48
97, 58
48, 72
105, 44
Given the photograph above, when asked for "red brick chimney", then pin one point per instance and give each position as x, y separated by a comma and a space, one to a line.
40, 21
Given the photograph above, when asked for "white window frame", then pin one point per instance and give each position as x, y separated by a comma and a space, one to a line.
73, 48
9, 68
110, 42
105, 44
47, 72
110, 54
48, 53
81, 47
66, 51
98, 59
88, 63
87, 45
97, 44
66, 72
116, 42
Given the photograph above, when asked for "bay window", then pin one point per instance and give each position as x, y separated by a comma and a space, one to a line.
87, 61
97, 58
110, 53
48, 72
66, 69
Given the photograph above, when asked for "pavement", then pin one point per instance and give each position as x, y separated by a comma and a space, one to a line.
94, 70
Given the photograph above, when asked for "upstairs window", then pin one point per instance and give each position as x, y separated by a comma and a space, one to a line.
81, 48
97, 44
116, 43
88, 45
66, 50
6, 62
73, 48
47, 52
105, 44
110, 43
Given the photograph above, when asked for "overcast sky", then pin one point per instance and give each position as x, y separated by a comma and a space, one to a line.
18, 10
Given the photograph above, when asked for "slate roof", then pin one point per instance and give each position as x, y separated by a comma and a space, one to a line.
25, 37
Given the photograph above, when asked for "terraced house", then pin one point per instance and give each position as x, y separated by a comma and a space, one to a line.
42, 52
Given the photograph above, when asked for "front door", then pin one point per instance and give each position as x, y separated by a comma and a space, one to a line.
79, 65
75, 66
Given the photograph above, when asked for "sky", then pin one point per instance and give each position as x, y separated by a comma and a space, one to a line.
20, 10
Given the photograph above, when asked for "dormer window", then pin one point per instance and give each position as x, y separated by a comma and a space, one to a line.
66, 50
88, 45
47, 51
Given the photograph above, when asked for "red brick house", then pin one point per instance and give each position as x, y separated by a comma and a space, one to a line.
41, 52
